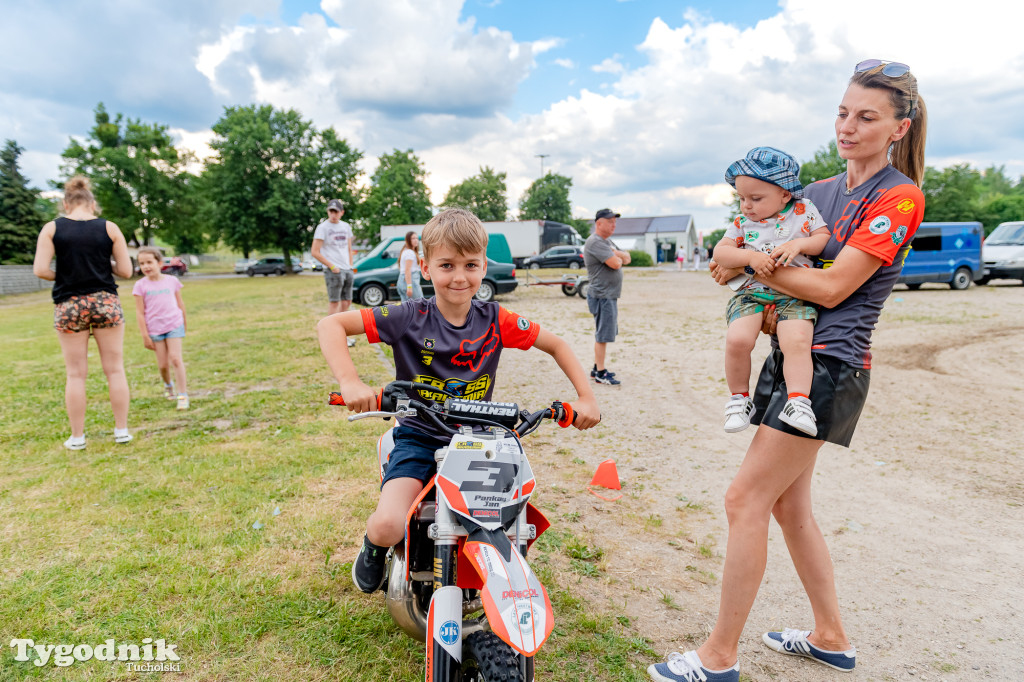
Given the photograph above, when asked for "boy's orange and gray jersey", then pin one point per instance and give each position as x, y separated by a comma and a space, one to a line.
461, 360
880, 218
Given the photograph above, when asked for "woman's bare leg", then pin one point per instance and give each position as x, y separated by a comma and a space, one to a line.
812, 561
75, 348
111, 344
774, 461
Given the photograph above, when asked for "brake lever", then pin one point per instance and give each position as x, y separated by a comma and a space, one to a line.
410, 412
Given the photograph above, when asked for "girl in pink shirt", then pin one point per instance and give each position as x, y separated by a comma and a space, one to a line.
160, 313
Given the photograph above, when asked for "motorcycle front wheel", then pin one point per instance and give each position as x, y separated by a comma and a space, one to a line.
485, 658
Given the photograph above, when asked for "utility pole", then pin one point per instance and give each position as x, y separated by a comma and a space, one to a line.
542, 157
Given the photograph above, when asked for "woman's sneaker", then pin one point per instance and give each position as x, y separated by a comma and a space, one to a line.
368, 567
797, 413
75, 443
183, 402
122, 436
794, 643
169, 391
738, 412
688, 668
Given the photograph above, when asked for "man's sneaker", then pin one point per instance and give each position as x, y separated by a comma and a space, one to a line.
368, 567
593, 372
688, 668
122, 436
183, 402
794, 643
169, 391
75, 443
738, 412
797, 413
606, 377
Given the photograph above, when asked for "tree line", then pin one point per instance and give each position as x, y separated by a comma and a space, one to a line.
272, 173
265, 188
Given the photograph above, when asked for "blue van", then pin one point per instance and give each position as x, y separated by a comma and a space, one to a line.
948, 253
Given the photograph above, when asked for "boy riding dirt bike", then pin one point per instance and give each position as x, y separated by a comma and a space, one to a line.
451, 342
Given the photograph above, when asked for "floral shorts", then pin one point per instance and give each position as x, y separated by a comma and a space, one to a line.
84, 313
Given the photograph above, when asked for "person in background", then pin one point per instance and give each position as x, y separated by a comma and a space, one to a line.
86, 301
604, 270
409, 268
160, 314
332, 246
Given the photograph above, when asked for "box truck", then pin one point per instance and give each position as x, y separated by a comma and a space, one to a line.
525, 237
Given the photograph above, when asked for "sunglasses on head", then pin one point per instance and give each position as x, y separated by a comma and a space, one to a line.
891, 69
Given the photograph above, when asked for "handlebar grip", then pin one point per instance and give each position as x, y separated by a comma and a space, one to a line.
568, 416
336, 398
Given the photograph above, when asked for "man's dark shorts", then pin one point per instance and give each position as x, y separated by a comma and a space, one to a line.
413, 455
339, 286
606, 318
838, 392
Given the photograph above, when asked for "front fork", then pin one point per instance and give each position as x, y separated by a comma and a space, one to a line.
444, 619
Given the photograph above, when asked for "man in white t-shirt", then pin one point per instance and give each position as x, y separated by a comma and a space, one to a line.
332, 246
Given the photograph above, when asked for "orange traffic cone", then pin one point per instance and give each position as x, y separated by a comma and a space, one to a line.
606, 476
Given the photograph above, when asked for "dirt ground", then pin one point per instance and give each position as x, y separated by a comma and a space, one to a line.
923, 514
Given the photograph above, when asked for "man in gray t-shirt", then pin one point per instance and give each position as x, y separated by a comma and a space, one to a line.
604, 271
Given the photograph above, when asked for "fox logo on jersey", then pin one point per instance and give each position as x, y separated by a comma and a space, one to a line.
473, 353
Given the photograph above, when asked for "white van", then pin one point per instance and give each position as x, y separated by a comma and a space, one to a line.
1004, 252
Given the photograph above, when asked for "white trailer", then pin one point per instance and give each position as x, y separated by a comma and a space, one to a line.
525, 237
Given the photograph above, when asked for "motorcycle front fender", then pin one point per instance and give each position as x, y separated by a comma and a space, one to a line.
517, 605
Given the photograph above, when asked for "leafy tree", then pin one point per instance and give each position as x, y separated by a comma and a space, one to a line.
133, 167
272, 178
484, 194
547, 199
1001, 208
825, 164
20, 216
398, 195
994, 182
713, 238
951, 194
582, 225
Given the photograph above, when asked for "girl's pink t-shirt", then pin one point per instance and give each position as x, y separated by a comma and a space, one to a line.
160, 303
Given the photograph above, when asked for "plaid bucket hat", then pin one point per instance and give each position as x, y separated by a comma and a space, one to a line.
770, 165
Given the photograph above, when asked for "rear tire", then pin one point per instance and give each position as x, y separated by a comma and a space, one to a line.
582, 288
535, 266
485, 658
280, 272
569, 289
574, 265
961, 279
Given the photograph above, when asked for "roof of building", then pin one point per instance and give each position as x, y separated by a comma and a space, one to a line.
636, 226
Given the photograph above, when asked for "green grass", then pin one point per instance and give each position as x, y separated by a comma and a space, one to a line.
156, 538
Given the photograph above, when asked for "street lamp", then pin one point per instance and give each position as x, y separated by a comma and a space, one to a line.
542, 157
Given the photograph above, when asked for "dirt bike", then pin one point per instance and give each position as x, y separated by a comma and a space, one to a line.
460, 581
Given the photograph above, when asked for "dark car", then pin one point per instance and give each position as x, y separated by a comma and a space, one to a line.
557, 257
375, 287
272, 265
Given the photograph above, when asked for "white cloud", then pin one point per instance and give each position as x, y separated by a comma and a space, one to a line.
565, 63
609, 65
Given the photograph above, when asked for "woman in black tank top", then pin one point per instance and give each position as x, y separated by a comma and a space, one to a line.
86, 302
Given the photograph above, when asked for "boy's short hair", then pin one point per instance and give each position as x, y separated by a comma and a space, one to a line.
456, 228
152, 251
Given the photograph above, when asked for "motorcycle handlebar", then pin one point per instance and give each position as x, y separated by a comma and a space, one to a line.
561, 413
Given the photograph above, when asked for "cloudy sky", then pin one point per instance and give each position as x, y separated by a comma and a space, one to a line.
643, 103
